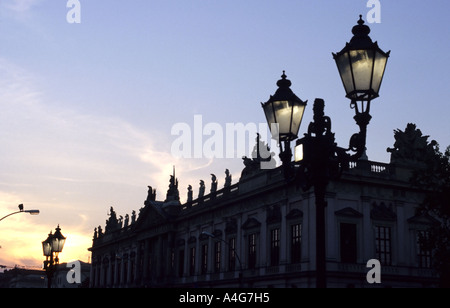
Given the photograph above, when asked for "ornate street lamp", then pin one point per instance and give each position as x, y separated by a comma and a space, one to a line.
284, 113
361, 65
51, 247
58, 241
47, 246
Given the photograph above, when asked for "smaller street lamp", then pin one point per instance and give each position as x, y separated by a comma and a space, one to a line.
47, 245
284, 113
58, 241
51, 247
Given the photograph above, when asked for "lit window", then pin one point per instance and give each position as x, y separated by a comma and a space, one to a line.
274, 247
383, 244
423, 252
192, 261
204, 259
252, 251
296, 240
217, 253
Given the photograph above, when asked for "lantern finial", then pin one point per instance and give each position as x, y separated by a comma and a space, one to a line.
360, 21
361, 30
283, 82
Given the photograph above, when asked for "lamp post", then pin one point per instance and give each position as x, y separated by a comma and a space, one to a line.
361, 65
21, 210
51, 247
237, 255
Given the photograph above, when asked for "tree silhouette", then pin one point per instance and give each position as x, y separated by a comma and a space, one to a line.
434, 179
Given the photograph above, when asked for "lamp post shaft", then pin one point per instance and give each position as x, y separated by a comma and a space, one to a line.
322, 149
319, 191
50, 271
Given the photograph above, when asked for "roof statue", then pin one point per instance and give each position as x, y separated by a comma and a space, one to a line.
410, 146
127, 220
201, 191
189, 196
112, 223
227, 178
261, 159
173, 193
151, 195
100, 231
213, 183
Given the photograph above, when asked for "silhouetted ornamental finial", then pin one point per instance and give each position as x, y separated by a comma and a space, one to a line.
361, 29
283, 82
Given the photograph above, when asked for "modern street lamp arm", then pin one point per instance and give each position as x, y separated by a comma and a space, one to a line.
31, 212
10, 215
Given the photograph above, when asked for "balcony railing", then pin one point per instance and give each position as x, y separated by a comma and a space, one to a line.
372, 167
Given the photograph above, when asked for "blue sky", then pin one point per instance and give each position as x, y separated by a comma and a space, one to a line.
87, 109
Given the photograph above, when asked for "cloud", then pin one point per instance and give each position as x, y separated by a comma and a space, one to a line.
20, 6
69, 165
73, 166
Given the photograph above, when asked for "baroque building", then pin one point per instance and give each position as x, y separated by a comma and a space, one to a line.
260, 231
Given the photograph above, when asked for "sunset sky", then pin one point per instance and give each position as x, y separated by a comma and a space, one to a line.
87, 109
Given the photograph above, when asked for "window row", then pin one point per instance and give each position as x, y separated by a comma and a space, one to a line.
225, 256
383, 245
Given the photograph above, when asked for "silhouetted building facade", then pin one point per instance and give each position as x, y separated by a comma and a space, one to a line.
260, 232
18, 277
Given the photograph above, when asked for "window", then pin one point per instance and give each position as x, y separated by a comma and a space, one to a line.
217, 253
232, 254
296, 240
192, 261
125, 269
204, 267
133, 268
119, 269
274, 247
348, 242
423, 252
105, 271
383, 244
252, 251
181, 263
172, 260
111, 274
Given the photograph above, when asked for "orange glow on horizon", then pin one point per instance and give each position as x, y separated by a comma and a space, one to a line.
21, 239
